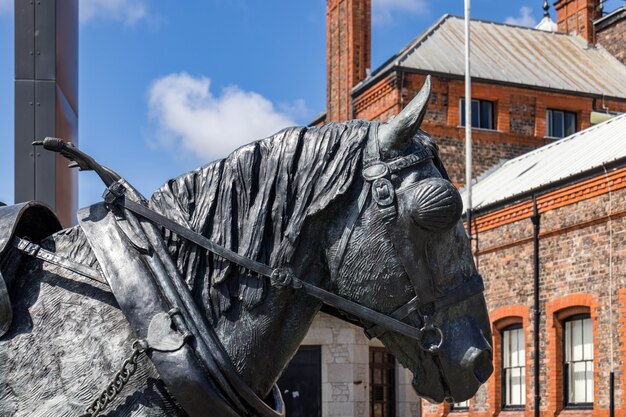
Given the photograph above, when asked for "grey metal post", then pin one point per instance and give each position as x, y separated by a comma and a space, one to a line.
46, 101
468, 121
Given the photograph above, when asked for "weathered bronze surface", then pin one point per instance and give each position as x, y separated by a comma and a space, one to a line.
218, 276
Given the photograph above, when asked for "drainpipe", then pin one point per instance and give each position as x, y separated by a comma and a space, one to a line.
610, 224
612, 394
536, 227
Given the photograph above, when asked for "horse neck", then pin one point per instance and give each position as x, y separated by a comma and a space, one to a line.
261, 341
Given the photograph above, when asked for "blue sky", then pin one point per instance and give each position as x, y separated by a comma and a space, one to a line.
166, 86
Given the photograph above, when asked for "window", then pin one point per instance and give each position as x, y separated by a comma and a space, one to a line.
382, 383
560, 123
482, 114
578, 361
513, 367
460, 407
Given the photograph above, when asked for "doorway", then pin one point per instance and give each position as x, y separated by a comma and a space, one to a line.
301, 383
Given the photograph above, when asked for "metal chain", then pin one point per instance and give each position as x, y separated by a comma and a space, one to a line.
118, 382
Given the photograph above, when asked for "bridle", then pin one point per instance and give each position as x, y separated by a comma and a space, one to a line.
378, 184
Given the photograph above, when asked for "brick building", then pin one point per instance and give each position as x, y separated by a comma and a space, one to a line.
519, 76
564, 205
529, 88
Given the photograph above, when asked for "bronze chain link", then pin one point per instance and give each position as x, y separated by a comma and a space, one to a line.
120, 379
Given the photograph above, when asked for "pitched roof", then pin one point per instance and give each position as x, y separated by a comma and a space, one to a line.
511, 54
599, 145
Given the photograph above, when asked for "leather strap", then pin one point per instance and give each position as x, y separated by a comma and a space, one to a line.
38, 252
347, 231
115, 195
469, 288
399, 314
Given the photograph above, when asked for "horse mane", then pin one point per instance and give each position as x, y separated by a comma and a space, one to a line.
256, 202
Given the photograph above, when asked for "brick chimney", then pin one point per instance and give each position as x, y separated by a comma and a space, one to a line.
576, 17
348, 45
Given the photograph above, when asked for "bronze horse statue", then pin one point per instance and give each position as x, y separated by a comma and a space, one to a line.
201, 296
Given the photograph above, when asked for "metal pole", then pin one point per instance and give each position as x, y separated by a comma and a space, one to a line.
46, 102
468, 121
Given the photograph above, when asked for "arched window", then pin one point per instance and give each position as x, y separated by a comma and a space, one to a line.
513, 367
578, 361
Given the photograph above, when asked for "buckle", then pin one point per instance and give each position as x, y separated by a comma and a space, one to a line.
27, 247
383, 192
113, 192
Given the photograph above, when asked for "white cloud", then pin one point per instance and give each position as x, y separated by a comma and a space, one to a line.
125, 11
524, 19
383, 10
189, 116
6, 7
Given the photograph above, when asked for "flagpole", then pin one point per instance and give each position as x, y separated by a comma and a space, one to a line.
468, 122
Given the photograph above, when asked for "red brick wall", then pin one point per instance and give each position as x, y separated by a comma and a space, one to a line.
574, 277
519, 116
348, 32
576, 17
380, 101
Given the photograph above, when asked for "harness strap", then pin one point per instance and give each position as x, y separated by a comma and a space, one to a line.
347, 232
399, 314
115, 195
473, 286
38, 252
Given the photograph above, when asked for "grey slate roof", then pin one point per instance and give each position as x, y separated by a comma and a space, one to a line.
512, 54
583, 151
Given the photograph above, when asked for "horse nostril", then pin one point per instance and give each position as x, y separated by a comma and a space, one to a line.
478, 361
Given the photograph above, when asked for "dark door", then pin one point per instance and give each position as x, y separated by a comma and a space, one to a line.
301, 383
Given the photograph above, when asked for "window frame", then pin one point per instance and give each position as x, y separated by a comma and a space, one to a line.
504, 405
388, 372
565, 366
492, 117
550, 122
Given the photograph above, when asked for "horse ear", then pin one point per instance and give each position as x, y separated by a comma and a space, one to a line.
397, 133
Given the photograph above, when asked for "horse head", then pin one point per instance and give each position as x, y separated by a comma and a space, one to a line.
401, 245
